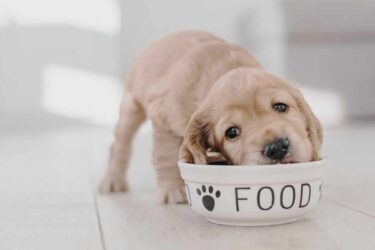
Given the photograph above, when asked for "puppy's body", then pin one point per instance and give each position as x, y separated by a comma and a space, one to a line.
183, 83
171, 78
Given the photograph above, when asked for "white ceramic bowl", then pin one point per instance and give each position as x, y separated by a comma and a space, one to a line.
253, 195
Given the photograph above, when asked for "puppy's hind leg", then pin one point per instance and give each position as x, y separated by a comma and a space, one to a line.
131, 117
164, 157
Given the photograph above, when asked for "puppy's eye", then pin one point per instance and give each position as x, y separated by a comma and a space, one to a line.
232, 132
280, 107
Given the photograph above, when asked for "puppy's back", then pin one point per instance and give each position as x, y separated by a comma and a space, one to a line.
156, 61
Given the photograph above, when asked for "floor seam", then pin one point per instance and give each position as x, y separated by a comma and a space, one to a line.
99, 222
352, 208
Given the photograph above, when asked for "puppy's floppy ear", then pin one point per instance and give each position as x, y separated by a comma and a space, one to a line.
313, 127
198, 138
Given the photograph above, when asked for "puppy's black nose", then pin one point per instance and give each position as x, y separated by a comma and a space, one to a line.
277, 149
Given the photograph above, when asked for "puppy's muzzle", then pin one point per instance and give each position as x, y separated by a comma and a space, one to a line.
277, 149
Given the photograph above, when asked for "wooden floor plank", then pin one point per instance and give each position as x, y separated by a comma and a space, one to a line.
351, 173
62, 227
46, 198
136, 221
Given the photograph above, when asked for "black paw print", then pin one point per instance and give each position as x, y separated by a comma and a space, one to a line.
208, 200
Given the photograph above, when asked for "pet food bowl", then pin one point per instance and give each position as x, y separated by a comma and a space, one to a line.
253, 195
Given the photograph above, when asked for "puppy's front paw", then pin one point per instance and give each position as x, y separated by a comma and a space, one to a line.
112, 184
173, 195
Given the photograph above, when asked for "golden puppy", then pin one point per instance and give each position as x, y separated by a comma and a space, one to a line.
204, 94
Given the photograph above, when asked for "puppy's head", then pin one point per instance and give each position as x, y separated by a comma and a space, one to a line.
252, 117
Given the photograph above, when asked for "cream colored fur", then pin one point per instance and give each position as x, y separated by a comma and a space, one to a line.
193, 85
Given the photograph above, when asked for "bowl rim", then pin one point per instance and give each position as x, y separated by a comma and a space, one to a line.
253, 174
266, 166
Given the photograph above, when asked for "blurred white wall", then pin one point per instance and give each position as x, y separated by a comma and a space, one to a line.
332, 47
80, 36
68, 58
145, 20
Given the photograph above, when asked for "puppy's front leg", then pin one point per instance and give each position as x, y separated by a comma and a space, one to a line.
164, 158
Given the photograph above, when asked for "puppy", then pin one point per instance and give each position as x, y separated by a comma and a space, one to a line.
204, 94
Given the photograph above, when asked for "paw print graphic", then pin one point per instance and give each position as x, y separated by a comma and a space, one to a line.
208, 199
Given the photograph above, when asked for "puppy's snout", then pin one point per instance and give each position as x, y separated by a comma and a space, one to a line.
277, 149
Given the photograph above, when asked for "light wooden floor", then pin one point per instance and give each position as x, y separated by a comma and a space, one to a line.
48, 199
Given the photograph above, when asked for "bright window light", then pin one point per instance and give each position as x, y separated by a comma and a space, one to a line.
81, 94
327, 105
97, 15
